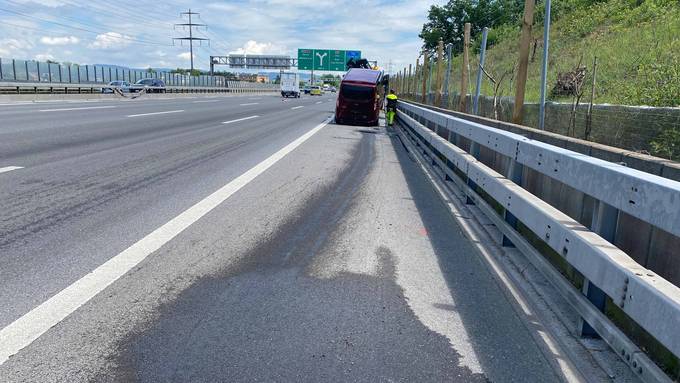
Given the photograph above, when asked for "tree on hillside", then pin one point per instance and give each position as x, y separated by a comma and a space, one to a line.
447, 21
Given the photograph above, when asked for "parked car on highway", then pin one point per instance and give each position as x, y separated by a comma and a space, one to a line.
153, 85
124, 86
361, 97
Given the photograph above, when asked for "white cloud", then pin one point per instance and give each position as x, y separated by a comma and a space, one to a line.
63, 40
45, 3
44, 57
110, 40
185, 56
252, 47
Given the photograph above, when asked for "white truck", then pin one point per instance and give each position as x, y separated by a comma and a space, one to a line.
290, 84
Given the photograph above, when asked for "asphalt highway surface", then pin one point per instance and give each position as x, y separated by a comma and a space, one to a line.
232, 239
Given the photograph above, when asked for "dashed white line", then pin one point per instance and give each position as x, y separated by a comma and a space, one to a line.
10, 168
250, 103
83, 108
319, 102
154, 113
23, 331
240, 119
298, 107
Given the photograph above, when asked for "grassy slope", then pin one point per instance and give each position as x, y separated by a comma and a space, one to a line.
638, 50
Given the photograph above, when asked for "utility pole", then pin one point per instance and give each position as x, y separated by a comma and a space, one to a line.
191, 37
525, 40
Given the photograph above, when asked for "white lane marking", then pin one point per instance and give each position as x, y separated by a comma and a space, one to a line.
83, 108
240, 119
298, 107
23, 331
10, 168
154, 113
197, 102
250, 103
319, 102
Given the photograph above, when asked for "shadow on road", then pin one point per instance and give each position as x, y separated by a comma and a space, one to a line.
269, 320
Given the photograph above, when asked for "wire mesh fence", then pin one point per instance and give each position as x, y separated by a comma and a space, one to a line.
13, 70
620, 89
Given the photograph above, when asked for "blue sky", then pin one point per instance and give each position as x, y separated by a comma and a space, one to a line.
139, 33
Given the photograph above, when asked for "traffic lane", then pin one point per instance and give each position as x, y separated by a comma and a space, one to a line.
63, 219
25, 105
49, 113
341, 266
52, 140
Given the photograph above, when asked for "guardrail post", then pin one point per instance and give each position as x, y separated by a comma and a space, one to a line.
603, 222
515, 170
474, 150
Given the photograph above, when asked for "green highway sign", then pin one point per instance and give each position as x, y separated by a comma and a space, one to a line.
321, 59
306, 59
325, 59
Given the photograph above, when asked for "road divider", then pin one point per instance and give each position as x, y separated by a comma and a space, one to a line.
83, 108
240, 119
25, 330
10, 168
155, 113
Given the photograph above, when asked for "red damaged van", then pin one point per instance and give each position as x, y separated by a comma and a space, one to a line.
360, 98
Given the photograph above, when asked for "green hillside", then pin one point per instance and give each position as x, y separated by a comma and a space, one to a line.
637, 44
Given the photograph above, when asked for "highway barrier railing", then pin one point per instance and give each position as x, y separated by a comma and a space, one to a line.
492, 166
14, 87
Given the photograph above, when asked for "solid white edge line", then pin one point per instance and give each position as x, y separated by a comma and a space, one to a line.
23, 331
83, 108
240, 119
10, 168
154, 113
297, 107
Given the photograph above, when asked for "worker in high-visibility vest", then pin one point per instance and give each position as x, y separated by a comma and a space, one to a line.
391, 108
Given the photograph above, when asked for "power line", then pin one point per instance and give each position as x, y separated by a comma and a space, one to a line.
121, 36
191, 37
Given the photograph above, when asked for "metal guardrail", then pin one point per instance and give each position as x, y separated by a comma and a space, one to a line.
648, 299
232, 86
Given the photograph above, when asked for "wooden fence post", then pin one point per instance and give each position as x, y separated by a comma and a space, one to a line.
462, 103
408, 82
440, 65
524, 42
424, 73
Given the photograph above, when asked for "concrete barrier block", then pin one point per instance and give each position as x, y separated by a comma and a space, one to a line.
671, 170
607, 153
644, 162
